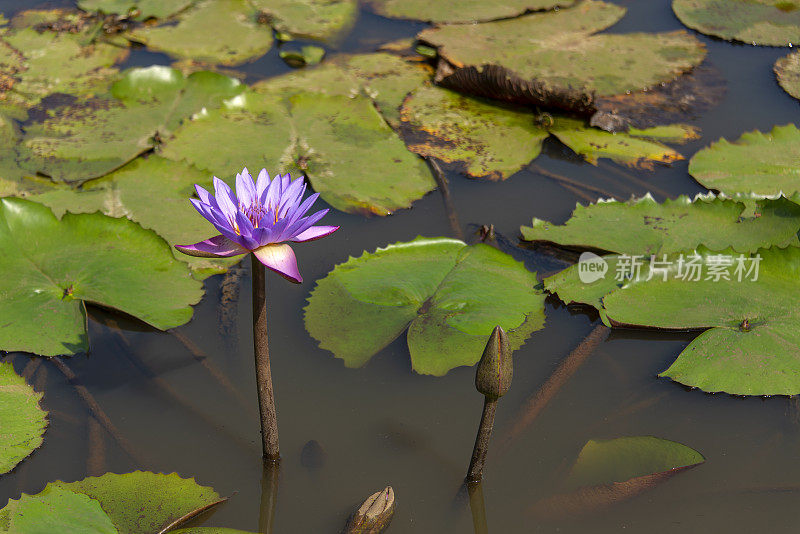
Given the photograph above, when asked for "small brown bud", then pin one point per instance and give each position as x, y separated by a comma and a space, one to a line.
495, 370
374, 515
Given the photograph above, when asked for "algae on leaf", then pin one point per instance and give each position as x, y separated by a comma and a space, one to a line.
82, 258
787, 70
142, 9
315, 19
22, 420
760, 163
760, 22
448, 295
460, 11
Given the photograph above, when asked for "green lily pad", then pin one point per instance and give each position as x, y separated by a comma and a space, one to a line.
314, 19
650, 227
130, 192
787, 70
761, 163
752, 341
351, 157
494, 141
144, 9
22, 420
215, 31
385, 78
653, 229
90, 138
54, 266
448, 295
611, 471
110, 504
760, 22
209, 530
558, 53
461, 10
301, 56
57, 509
36, 64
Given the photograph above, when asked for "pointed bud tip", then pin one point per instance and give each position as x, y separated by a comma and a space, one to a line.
496, 368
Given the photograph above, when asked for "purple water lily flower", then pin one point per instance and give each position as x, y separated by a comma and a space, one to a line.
260, 218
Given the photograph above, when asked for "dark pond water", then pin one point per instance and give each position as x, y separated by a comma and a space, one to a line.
383, 424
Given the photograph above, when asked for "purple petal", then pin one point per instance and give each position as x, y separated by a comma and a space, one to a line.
261, 184
246, 231
303, 208
286, 179
281, 259
245, 188
225, 199
211, 215
315, 232
303, 224
206, 197
216, 247
273, 195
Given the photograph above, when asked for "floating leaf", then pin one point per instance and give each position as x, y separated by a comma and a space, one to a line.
448, 295
35, 64
22, 420
752, 343
57, 509
90, 138
760, 22
553, 58
129, 192
787, 70
301, 56
653, 229
132, 503
216, 31
495, 141
461, 10
315, 19
610, 471
487, 140
351, 157
54, 266
765, 164
650, 227
209, 530
385, 78
144, 9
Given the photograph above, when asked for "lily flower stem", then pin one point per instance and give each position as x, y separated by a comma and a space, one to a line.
266, 399
477, 507
481, 448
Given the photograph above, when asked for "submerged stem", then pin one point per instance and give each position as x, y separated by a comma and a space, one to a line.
266, 399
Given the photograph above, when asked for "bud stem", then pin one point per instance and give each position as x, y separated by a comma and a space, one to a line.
475, 472
266, 400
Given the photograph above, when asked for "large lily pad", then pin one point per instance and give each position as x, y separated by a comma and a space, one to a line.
350, 155
52, 267
385, 78
787, 70
610, 471
761, 163
752, 341
143, 9
653, 229
448, 295
315, 19
554, 59
35, 64
132, 503
153, 192
650, 227
494, 141
461, 10
22, 420
215, 31
90, 138
760, 22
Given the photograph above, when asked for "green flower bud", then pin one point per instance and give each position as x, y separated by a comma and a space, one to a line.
496, 368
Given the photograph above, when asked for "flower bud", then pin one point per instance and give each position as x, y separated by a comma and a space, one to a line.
374, 515
495, 370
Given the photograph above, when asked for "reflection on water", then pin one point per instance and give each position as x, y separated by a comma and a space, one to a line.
185, 401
